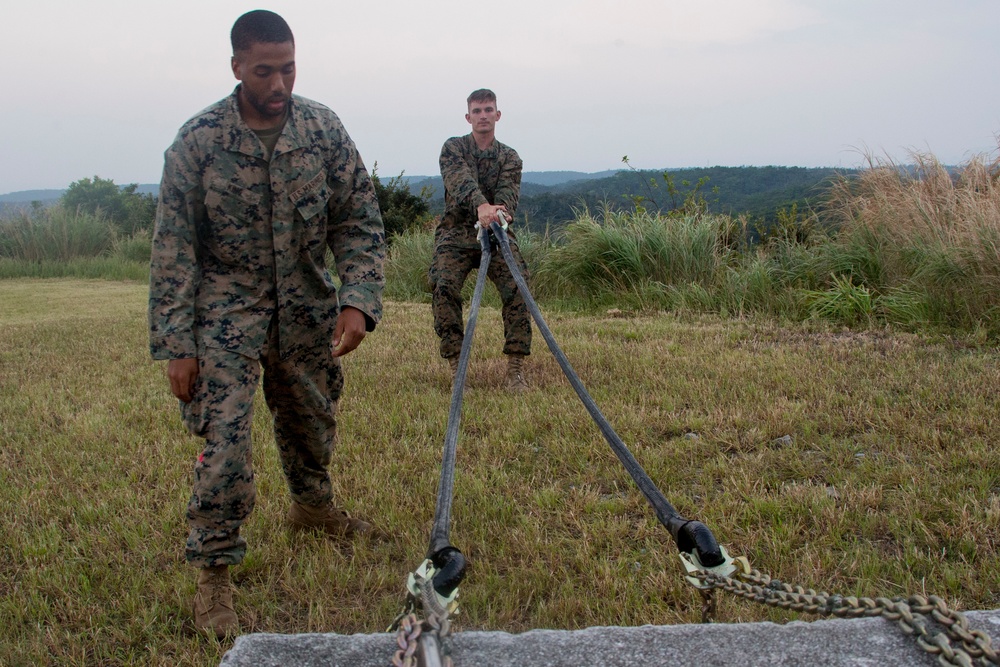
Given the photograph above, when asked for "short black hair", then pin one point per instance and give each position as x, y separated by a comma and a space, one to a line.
481, 95
259, 26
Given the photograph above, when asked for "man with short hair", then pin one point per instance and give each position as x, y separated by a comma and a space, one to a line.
256, 189
482, 182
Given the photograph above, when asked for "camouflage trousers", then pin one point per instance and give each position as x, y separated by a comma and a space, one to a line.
451, 266
302, 394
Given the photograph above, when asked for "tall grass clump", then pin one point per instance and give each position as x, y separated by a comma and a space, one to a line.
753, 285
135, 247
54, 234
653, 259
407, 262
924, 239
57, 242
844, 302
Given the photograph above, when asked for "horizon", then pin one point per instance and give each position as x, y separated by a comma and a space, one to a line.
418, 177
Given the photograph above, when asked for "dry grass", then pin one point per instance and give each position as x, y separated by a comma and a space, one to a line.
890, 484
923, 199
925, 209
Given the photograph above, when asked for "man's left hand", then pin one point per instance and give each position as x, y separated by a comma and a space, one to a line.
350, 331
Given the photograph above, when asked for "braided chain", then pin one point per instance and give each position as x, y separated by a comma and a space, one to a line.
910, 614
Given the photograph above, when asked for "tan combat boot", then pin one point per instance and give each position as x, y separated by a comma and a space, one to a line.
331, 520
515, 374
213, 603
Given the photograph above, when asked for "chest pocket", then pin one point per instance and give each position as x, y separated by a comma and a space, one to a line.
310, 202
234, 218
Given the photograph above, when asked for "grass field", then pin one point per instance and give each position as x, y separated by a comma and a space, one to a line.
889, 485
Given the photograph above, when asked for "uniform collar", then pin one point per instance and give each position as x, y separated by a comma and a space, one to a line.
241, 139
492, 151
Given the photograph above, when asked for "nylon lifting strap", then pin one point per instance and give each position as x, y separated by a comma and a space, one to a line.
444, 565
433, 586
688, 535
442, 513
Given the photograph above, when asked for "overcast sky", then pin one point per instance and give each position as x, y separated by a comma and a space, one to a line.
100, 87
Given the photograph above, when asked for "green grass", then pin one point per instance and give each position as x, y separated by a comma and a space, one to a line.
891, 483
103, 268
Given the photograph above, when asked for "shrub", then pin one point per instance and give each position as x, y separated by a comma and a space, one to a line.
127, 210
401, 209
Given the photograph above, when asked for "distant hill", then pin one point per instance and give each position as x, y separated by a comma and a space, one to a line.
546, 178
755, 191
550, 198
14, 202
28, 196
529, 179
49, 196
552, 178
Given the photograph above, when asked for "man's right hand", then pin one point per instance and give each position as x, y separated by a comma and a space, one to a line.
182, 373
489, 213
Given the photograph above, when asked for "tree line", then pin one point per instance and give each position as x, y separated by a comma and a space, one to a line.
765, 196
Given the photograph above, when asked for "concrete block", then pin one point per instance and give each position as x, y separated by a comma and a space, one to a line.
865, 642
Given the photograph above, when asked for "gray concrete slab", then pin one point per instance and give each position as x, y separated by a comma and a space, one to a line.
836, 643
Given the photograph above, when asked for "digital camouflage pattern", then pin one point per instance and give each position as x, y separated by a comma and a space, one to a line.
452, 265
473, 177
302, 394
238, 237
238, 279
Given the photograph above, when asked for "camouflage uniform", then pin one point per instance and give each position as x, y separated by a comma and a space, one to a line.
473, 177
238, 279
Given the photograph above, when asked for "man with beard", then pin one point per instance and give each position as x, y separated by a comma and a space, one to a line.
256, 189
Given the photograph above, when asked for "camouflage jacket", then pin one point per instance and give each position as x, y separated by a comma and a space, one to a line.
239, 238
473, 177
